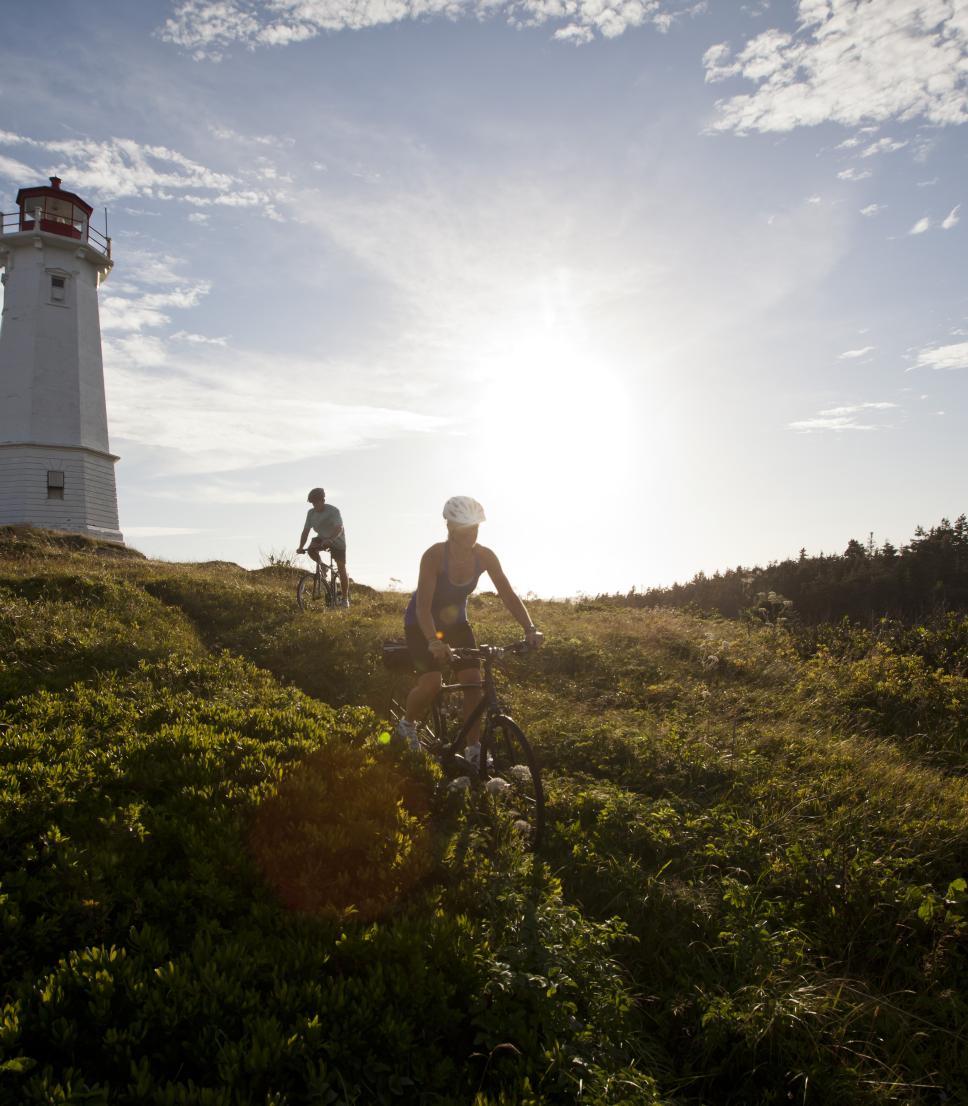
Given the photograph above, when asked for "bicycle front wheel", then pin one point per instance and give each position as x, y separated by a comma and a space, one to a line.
333, 590
510, 774
309, 594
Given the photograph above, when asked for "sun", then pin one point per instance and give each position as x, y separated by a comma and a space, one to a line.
558, 408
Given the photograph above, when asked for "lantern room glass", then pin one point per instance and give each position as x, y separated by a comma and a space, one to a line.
57, 216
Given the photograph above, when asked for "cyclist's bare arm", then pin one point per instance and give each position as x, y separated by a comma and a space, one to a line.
302, 541
426, 582
509, 597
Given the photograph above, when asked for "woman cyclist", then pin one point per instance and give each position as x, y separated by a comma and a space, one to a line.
436, 618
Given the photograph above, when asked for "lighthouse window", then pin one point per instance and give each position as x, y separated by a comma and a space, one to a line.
58, 289
55, 484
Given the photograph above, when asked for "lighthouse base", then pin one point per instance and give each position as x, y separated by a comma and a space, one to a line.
54, 487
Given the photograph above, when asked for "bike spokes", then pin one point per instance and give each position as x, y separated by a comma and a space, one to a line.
512, 780
309, 592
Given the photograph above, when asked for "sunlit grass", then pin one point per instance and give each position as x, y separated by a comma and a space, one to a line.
748, 891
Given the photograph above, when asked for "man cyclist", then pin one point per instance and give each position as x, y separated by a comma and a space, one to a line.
436, 618
326, 520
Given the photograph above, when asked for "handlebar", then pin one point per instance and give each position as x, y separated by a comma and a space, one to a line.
492, 652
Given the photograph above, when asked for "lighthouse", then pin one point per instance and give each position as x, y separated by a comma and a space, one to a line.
56, 467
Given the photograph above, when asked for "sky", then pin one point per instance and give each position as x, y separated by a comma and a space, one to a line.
669, 286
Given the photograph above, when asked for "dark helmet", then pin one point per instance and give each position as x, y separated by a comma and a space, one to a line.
314, 493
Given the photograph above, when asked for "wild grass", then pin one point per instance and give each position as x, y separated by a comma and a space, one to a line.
217, 885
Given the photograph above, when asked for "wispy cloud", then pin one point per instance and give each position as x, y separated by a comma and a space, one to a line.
952, 218
192, 396
199, 411
921, 226
843, 418
15, 170
849, 62
883, 146
872, 209
160, 531
116, 168
953, 356
198, 339
854, 174
226, 134
208, 28
850, 354
227, 491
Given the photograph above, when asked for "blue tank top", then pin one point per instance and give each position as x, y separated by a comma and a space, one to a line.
449, 604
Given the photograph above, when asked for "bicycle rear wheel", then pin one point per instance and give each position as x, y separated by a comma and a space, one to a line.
510, 774
309, 593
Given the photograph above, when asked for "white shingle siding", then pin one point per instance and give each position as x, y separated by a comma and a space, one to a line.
89, 505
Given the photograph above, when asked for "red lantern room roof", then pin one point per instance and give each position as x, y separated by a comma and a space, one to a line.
53, 189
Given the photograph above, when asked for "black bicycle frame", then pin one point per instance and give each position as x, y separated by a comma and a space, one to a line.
489, 702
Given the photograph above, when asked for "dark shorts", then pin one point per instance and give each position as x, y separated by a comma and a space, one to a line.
338, 548
460, 636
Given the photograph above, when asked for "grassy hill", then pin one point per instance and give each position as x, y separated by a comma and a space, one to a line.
217, 886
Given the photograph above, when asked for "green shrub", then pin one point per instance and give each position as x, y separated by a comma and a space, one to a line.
57, 630
893, 695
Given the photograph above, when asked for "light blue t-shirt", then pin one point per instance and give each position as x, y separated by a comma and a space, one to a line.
327, 523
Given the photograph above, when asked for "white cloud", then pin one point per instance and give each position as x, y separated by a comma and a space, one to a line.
192, 397
226, 134
872, 209
849, 354
198, 339
854, 408
952, 218
199, 410
16, 170
120, 167
160, 531
853, 174
883, 146
921, 226
821, 422
144, 310
850, 62
842, 418
223, 491
139, 351
207, 28
954, 356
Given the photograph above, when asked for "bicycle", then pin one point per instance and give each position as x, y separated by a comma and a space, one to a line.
320, 589
508, 768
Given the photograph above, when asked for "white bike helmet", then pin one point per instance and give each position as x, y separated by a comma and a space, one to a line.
461, 510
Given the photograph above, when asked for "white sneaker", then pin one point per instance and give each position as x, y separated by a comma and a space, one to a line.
408, 731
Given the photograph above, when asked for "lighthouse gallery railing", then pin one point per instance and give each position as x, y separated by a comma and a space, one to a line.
13, 222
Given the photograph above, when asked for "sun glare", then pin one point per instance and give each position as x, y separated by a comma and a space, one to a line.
551, 403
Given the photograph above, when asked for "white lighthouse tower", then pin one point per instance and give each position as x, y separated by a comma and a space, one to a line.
56, 469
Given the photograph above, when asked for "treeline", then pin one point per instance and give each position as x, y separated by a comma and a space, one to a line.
926, 577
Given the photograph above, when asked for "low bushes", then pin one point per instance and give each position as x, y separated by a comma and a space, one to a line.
57, 629
217, 889
214, 889
888, 694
